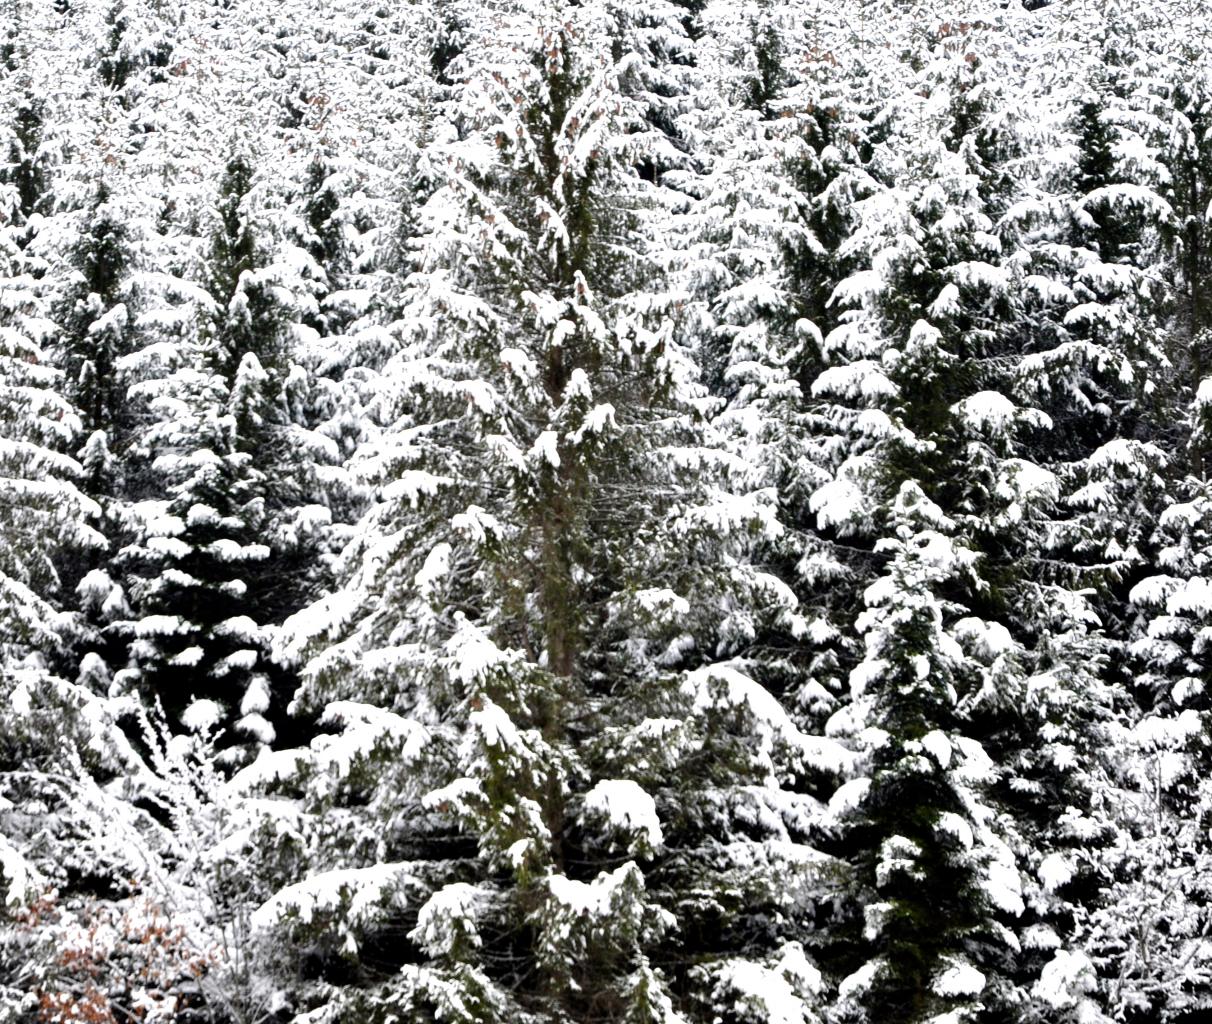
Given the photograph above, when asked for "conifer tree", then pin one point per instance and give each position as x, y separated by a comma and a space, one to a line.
97, 335
1188, 161
942, 882
520, 584
324, 241
920, 836
205, 571
196, 650
25, 169
46, 518
250, 343
451, 23
1168, 848
95, 319
937, 401
751, 235
1096, 319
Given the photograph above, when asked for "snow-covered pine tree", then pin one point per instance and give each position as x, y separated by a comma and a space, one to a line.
136, 44
46, 520
652, 48
1166, 852
1187, 187
782, 207
345, 294
250, 342
963, 644
1096, 364
836, 102
94, 314
582, 811
1066, 571
1156, 957
84, 926
323, 238
451, 21
25, 170
939, 884
936, 882
208, 570
745, 212
95, 321
1099, 364
196, 650
250, 315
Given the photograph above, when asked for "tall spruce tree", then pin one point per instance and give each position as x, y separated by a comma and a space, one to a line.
95, 316
1164, 965
206, 574
47, 521
556, 765
251, 343
931, 384
196, 650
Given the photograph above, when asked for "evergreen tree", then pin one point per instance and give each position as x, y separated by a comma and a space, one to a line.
519, 582
195, 648
96, 336
45, 517
942, 883
250, 343
95, 320
208, 568
1164, 842
136, 43
323, 240
934, 391
1188, 160
25, 169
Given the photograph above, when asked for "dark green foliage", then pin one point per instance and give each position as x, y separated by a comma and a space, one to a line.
691, 19
26, 170
447, 44
1188, 242
95, 320
249, 315
769, 76
116, 65
324, 241
1116, 233
207, 647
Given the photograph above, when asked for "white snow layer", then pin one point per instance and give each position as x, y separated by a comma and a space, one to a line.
356, 891
781, 994
959, 979
627, 807
202, 715
1065, 979
16, 871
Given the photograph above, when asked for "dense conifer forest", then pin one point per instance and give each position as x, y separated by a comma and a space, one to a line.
605, 512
